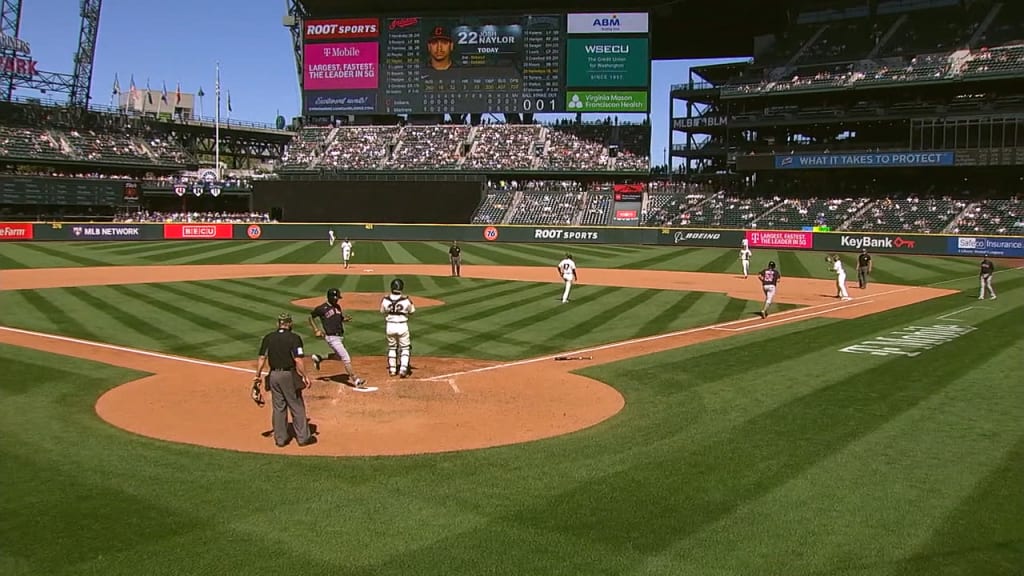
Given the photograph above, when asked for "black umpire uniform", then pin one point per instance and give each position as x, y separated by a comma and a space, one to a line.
455, 255
282, 350
863, 267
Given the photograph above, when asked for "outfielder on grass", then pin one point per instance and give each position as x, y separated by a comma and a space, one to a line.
332, 329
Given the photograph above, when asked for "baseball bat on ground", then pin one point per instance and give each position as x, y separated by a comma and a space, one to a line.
574, 358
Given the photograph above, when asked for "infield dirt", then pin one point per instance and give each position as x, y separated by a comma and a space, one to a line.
448, 404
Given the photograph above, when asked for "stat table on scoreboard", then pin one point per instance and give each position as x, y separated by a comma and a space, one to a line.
509, 64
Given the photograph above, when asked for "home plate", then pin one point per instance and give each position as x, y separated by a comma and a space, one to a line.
366, 389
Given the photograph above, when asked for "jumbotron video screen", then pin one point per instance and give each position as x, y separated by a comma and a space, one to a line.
477, 64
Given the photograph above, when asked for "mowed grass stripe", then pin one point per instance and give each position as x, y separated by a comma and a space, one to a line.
137, 331
736, 308
426, 252
499, 255
195, 296
722, 263
9, 263
752, 460
63, 315
790, 265
614, 311
241, 253
186, 312
69, 256
936, 272
681, 303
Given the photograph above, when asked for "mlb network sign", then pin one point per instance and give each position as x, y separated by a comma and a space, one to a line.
629, 23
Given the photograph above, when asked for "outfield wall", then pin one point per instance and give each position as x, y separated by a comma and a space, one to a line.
910, 244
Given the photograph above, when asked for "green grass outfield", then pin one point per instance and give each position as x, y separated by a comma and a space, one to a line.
770, 452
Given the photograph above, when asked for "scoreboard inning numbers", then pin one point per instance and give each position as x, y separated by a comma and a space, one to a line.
477, 64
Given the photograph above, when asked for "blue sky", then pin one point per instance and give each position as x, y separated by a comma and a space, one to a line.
181, 42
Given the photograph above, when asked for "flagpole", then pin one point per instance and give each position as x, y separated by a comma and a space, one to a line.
216, 129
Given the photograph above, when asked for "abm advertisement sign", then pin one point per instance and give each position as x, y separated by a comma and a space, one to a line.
609, 23
1012, 247
341, 66
865, 160
607, 62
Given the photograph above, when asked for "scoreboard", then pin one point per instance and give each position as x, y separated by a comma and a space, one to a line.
595, 62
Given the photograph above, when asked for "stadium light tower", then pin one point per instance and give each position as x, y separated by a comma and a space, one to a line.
24, 75
296, 14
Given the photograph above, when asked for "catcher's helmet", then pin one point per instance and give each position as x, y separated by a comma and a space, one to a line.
333, 295
397, 285
771, 264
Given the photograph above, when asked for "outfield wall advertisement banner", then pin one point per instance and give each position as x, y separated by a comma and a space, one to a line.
701, 238
16, 231
104, 232
198, 231
887, 243
974, 246
865, 160
785, 240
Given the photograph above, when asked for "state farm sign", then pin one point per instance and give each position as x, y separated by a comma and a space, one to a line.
341, 29
15, 231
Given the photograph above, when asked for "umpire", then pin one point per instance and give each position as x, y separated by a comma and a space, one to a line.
455, 255
286, 378
863, 267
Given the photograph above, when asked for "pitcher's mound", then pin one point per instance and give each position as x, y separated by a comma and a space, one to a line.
364, 301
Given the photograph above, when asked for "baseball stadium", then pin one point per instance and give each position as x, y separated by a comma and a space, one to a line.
501, 299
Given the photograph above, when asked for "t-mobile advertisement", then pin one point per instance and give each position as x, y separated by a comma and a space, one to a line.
341, 66
771, 239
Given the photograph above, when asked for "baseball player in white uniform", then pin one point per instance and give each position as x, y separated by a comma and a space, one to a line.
837, 267
745, 255
567, 270
330, 236
346, 251
396, 308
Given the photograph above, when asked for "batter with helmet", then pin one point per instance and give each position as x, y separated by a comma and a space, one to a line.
396, 308
331, 328
769, 281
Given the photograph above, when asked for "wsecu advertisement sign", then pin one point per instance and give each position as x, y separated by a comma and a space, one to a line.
1009, 247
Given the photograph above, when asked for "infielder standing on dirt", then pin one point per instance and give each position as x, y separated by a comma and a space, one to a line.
396, 308
567, 270
769, 281
987, 268
745, 255
837, 267
346, 251
332, 329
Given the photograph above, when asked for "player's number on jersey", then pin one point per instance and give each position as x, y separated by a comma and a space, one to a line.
565, 267
396, 308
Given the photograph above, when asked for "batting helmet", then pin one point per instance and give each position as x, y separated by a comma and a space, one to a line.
771, 264
397, 285
333, 295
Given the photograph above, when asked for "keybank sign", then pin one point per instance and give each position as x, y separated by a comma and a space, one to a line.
609, 23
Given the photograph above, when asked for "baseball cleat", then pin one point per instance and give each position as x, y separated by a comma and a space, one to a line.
359, 383
316, 361
992, 298
403, 374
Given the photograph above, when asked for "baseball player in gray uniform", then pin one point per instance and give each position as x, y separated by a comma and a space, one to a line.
769, 282
396, 308
332, 330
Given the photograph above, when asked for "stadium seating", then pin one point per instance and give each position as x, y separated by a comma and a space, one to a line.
360, 148
308, 144
1006, 28
908, 213
598, 211
493, 208
547, 208
566, 150
505, 147
992, 216
429, 147
797, 213
29, 143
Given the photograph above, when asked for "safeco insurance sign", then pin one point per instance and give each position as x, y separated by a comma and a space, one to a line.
608, 63
578, 101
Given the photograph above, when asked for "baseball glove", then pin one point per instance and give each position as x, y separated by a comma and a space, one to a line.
255, 393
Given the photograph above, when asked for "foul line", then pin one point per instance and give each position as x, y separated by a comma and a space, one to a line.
128, 350
763, 324
454, 387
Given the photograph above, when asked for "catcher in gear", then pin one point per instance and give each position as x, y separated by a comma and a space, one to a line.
331, 328
396, 308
